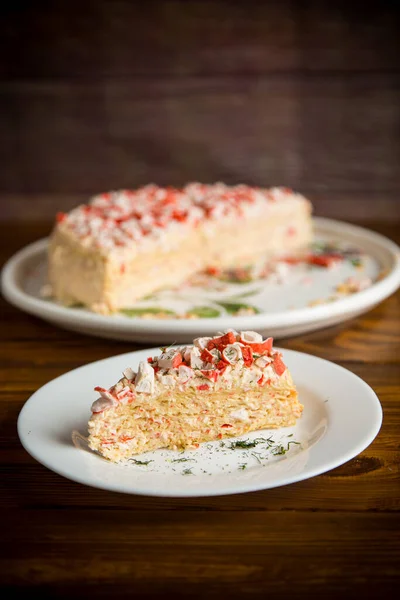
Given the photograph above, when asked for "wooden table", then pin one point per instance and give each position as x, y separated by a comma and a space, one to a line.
333, 534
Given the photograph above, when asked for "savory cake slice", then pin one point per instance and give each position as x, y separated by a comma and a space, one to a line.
124, 245
223, 386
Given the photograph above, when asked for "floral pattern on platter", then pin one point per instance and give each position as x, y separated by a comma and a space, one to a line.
341, 270
326, 272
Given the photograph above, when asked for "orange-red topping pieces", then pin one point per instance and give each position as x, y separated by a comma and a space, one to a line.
206, 356
278, 365
324, 260
177, 360
222, 341
60, 217
263, 348
247, 354
210, 374
203, 387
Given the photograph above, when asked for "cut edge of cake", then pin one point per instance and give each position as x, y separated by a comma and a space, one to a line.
124, 245
218, 387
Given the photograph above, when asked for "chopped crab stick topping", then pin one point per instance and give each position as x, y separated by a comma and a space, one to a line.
128, 373
232, 353
125, 217
144, 381
250, 337
106, 394
185, 373
228, 355
101, 404
170, 359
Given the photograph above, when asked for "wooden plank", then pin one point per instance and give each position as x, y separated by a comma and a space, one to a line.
23, 360
122, 39
342, 342
85, 139
195, 528
64, 128
354, 207
152, 39
317, 134
368, 482
24, 208
219, 550
347, 134
341, 37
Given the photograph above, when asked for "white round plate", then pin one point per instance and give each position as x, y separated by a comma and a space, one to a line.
305, 301
341, 417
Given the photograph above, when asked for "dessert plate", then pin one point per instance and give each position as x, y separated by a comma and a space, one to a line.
342, 415
291, 300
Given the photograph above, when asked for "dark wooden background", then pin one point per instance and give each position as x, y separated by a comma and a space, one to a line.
96, 95
102, 94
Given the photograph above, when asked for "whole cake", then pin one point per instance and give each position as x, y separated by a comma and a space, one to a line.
218, 387
124, 245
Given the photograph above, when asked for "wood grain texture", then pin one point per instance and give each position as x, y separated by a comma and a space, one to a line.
85, 138
335, 534
103, 95
108, 38
317, 135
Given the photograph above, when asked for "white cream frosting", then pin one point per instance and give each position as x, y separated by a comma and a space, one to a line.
233, 363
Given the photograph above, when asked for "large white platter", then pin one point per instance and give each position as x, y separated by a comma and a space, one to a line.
285, 309
341, 417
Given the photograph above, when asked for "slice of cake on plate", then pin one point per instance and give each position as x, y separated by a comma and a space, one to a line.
218, 387
124, 245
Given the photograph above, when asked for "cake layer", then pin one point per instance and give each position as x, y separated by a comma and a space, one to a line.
125, 245
219, 387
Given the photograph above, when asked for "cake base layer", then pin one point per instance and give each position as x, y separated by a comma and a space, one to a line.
179, 420
108, 281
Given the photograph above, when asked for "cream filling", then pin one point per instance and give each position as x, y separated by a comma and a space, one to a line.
116, 279
184, 419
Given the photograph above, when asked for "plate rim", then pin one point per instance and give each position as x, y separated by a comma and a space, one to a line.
363, 441
361, 301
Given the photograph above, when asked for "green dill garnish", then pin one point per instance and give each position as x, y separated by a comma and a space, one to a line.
242, 467
279, 449
240, 444
204, 312
179, 460
270, 442
319, 246
292, 442
234, 307
244, 444
236, 297
141, 462
165, 349
150, 297
356, 262
291, 435
240, 275
187, 472
256, 456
